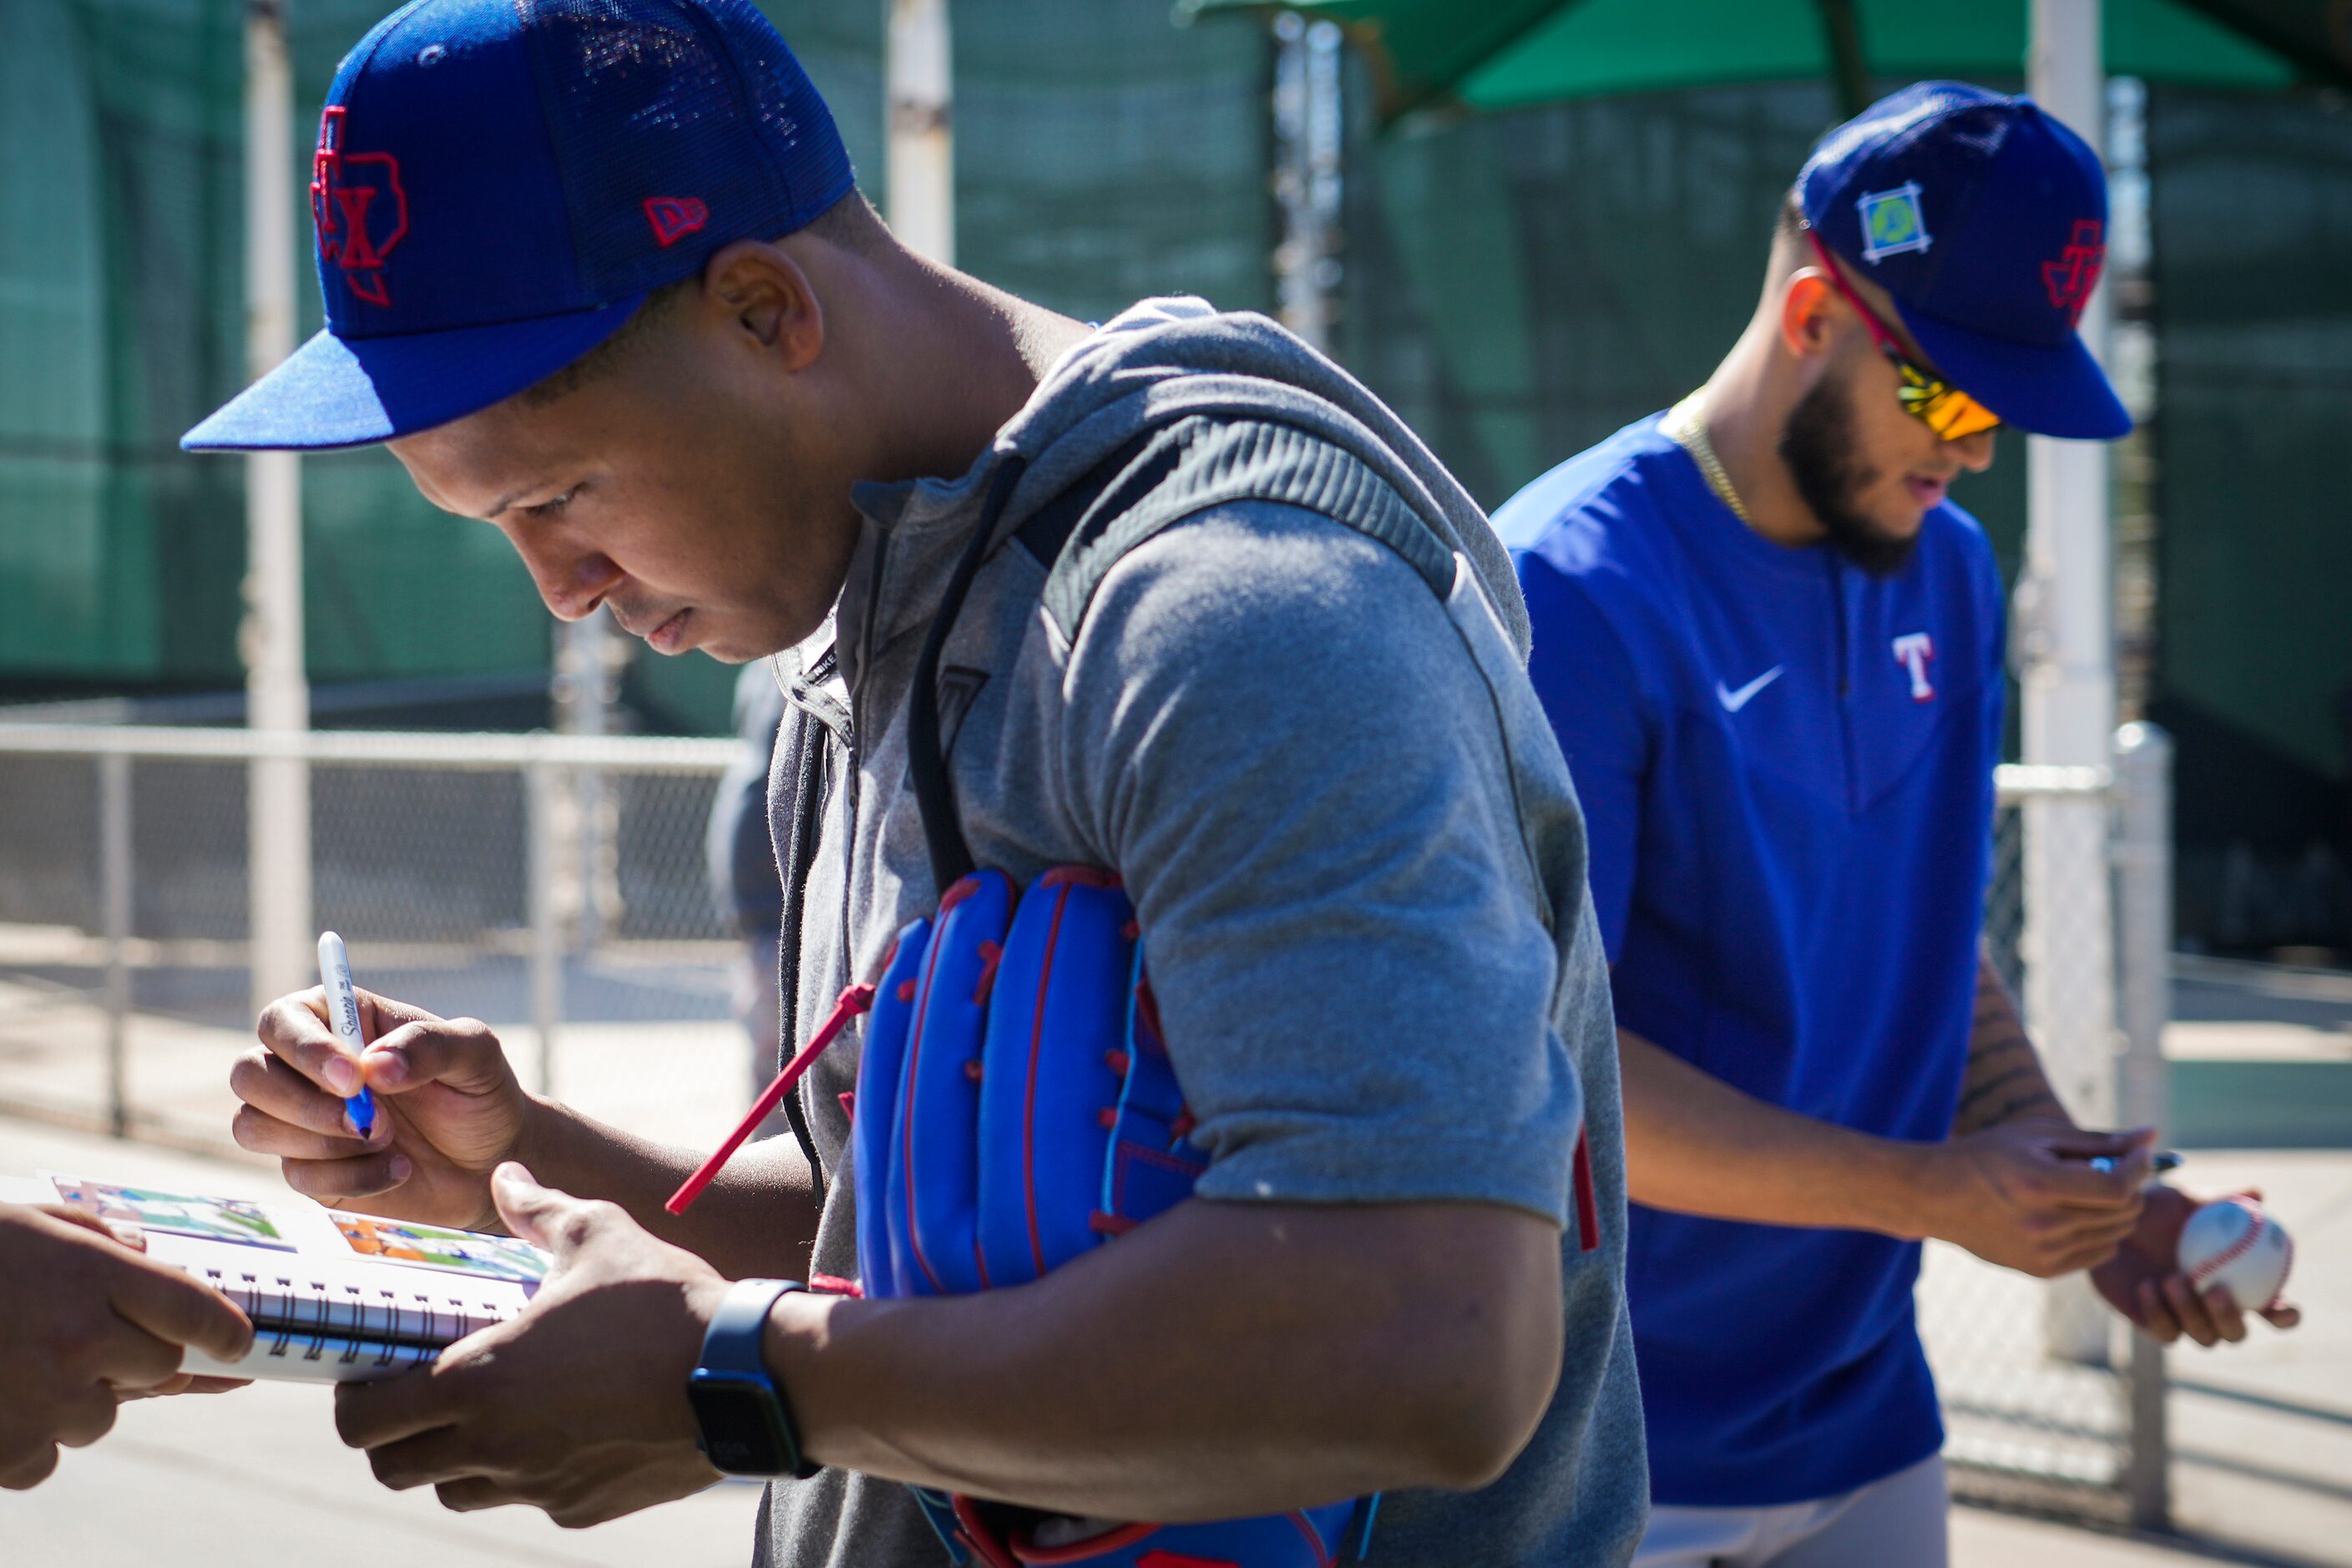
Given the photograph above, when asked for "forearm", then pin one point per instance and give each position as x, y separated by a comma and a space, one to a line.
1224, 1361
756, 1220
1697, 1146
2005, 1079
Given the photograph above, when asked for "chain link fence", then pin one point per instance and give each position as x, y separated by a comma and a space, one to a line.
2050, 1402
555, 887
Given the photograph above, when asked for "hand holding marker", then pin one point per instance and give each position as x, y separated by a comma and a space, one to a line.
343, 1013
2166, 1161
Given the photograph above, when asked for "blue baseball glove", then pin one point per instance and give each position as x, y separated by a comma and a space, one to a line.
1014, 1109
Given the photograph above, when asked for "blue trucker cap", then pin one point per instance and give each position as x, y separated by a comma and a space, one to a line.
1986, 219
499, 185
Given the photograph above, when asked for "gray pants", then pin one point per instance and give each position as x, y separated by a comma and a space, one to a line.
1898, 1522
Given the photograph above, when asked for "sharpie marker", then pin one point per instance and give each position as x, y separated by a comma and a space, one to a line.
344, 1012
2166, 1161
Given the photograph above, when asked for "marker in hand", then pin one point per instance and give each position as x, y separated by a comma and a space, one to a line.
2163, 1161
343, 1013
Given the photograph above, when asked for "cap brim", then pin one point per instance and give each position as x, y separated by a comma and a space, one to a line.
349, 392
2057, 390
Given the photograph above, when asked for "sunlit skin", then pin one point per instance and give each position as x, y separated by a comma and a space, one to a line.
700, 490
2016, 1188
1802, 334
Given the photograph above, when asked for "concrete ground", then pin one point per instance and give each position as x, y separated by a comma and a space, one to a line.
2261, 1432
2265, 1434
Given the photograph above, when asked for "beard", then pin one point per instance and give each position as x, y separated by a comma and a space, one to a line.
1818, 446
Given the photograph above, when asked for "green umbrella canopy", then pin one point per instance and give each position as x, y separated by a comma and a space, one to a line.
1501, 53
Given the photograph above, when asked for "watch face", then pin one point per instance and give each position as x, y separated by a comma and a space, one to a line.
742, 1429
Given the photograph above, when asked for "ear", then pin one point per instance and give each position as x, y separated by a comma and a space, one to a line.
766, 296
1805, 315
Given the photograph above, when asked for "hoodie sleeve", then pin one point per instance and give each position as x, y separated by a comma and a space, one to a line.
1276, 732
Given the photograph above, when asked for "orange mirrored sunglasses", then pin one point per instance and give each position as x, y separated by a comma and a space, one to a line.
1931, 399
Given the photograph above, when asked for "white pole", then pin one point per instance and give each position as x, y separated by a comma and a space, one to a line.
276, 695
919, 131
2144, 881
114, 887
2067, 637
2070, 691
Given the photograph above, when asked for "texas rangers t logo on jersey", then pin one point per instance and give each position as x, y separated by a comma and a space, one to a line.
359, 206
2070, 278
1912, 651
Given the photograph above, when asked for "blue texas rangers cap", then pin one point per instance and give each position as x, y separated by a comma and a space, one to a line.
1986, 219
499, 183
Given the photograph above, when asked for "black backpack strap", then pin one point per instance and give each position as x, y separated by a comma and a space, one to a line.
927, 763
1041, 536
805, 737
1163, 475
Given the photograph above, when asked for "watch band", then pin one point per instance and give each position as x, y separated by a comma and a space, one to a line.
732, 1342
732, 1352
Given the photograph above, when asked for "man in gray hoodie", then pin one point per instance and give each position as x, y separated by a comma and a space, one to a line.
1291, 713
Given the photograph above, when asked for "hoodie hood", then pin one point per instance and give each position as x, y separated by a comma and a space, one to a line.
1157, 360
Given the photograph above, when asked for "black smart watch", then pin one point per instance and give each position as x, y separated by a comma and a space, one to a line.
747, 1427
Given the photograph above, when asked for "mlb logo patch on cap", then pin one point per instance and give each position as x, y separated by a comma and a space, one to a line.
1890, 222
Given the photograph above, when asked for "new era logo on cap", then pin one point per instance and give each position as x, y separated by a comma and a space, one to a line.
675, 217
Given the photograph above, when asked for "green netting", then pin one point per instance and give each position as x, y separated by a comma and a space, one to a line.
1511, 53
2252, 219
1517, 284
1102, 155
1626, 46
1521, 284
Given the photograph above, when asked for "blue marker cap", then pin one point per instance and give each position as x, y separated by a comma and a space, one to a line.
344, 1018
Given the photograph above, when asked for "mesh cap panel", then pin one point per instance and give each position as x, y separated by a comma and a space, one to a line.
678, 125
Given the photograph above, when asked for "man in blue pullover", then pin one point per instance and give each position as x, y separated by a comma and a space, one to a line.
1771, 649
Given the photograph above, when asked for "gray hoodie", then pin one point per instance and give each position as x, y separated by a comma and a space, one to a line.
1348, 832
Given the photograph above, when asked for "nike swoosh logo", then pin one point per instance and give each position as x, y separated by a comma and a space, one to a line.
1733, 701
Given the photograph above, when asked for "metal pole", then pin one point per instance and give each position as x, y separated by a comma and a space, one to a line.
2070, 690
114, 884
920, 129
2144, 940
2066, 641
276, 694
542, 791
589, 660
1308, 132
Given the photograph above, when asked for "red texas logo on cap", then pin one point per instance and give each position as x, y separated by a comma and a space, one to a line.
2075, 273
359, 206
675, 217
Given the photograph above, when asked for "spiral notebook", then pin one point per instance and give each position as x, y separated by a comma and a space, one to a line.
334, 1297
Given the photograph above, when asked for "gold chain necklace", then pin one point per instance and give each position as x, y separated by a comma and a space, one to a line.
1685, 422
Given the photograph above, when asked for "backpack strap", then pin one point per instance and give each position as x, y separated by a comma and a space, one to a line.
1163, 475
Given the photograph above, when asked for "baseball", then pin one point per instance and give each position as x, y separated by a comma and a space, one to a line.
2233, 1243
